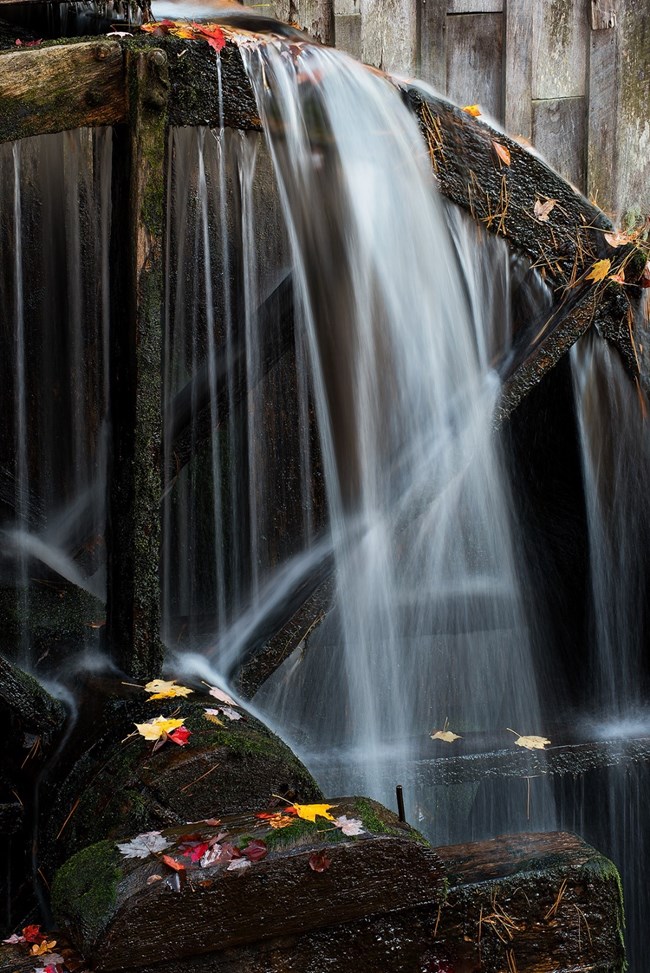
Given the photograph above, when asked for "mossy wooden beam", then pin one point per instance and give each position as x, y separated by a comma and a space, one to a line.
36, 710
137, 294
52, 89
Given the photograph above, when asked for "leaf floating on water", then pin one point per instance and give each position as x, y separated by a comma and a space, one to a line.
349, 826
446, 736
599, 270
472, 110
165, 690
160, 727
148, 843
530, 742
542, 210
309, 812
319, 861
502, 152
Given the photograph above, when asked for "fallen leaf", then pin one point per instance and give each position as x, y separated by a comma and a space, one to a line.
238, 865
155, 729
221, 696
14, 938
33, 934
617, 239
255, 850
196, 851
180, 736
311, 811
38, 949
472, 110
530, 742
20, 43
232, 714
599, 270
212, 34
172, 863
319, 861
618, 278
143, 845
277, 820
349, 826
52, 959
542, 210
502, 152
154, 878
165, 690
212, 716
645, 276
446, 735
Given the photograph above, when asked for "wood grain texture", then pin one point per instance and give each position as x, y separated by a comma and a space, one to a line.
603, 120
347, 29
474, 61
474, 6
560, 49
633, 136
433, 43
389, 35
52, 89
559, 132
518, 79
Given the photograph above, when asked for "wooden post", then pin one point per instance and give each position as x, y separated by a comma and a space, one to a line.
135, 477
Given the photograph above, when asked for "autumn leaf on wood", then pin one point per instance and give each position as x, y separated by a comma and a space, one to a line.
38, 949
165, 690
212, 34
195, 851
13, 939
172, 863
530, 742
277, 820
311, 811
221, 695
319, 861
180, 736
33, 934
213, 716
148, 843
599, 270
617, 239
542, 210
618, 278
255, 850
238, 865
155, 729
154, 878
232, 714
349, 826
502, 152
472, 110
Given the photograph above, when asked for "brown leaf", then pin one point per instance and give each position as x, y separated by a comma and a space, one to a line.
502, 152
543, 209
617, 239
319, 861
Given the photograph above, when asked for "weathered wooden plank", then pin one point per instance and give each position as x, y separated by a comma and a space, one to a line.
604, 14
57, 88
560, 50
474, 61
135, 482
389, 35
518, 81
347, 29
602, 123
433, 43
474, 6
633, 135
559, 132
316, 17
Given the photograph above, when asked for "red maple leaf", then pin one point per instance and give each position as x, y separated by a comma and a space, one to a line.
180, 736
255, 850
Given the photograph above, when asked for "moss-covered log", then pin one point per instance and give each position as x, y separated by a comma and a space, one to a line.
385, 901
28, 701
117, 784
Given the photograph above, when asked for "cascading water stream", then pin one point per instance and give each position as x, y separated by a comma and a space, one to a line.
400, 340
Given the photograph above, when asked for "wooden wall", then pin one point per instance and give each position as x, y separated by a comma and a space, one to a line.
570, 76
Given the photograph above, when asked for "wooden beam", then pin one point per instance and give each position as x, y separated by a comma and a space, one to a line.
137, 293
52, 89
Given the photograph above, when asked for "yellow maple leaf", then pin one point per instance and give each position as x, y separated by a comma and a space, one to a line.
472, 110
446, 735
154, 729
599, 270
38, 949
165, 690
530, 742
311, 811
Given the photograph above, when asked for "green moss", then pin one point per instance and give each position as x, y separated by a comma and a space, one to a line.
369, 814
305, 832
84, 891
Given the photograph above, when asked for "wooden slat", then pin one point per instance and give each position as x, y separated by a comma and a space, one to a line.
559, 130
602, 123
474, 6
389, 35
347, 31
433, 43
560, 50
52, 89
633, 135
518, 67
474, 61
